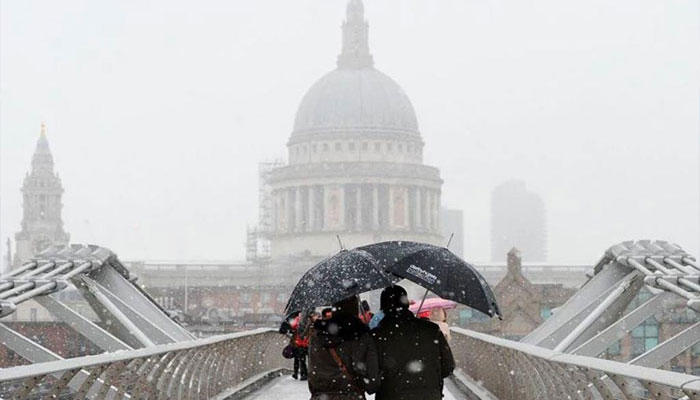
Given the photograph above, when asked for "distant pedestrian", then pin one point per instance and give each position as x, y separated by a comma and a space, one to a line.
414, 356
300, 341
342, 356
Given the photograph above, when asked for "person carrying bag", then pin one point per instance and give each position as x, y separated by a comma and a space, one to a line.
343, 362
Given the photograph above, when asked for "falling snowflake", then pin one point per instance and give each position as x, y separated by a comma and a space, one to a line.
415, 366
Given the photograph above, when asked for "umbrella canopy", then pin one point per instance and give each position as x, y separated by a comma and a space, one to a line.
348, 273
438, 270
435, 302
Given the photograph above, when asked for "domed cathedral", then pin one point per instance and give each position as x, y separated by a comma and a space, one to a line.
355, 161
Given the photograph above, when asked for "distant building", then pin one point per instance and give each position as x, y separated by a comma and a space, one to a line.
452, 223
42, 191
518, 220
355, 167
525, 305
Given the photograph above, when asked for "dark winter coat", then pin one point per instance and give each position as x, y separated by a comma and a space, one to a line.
414, 358
352, 342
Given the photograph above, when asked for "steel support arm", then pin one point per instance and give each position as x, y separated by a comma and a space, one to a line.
154, 333
571, 313
25, 347
84, 326
597, 312
117, 313
619, 329
667, 350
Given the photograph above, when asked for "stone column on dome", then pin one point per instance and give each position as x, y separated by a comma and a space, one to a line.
288, 210
437, 211
334, 207
432, 211
406, 211
433, 207
375, 207
324, 200
346, 211
427, 210
417, 209
320, 217
358, 208
310, 216
298, 212
392, 223
342, 207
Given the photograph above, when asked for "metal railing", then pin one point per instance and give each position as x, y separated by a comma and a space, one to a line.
518, 371
196, 369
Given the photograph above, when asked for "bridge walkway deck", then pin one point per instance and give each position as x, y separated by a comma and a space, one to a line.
290, 389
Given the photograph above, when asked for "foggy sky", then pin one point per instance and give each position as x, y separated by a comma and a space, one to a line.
158, 112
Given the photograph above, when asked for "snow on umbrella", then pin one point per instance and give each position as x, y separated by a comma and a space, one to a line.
438, 270
348, 273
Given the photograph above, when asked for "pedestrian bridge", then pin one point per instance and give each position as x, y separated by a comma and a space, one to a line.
148, 355
289, 389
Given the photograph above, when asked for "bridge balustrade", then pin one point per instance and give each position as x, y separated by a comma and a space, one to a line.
518, 371
210, 368
196, 369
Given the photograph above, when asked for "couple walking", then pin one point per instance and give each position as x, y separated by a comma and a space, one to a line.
404, 358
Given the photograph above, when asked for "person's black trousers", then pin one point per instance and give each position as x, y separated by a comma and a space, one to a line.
300, 363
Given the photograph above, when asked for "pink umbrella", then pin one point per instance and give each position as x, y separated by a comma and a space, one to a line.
429, 304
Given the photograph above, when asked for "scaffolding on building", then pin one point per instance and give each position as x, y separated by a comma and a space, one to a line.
258, 237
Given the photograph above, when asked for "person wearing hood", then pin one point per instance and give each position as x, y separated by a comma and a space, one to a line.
343, 361
414, 356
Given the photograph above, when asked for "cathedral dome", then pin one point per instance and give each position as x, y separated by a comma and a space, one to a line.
355, 162
355, 98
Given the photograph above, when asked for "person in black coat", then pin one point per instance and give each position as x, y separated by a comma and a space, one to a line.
414, 356
343, 361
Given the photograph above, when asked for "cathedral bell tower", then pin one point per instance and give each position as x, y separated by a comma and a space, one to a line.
42, 225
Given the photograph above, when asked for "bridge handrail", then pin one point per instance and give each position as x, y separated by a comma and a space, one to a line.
602, 375
194, 369
51, 367
632, 371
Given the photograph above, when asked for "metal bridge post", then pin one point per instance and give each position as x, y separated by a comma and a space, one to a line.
597, 312
117, 313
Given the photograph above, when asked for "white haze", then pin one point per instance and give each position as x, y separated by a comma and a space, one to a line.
159, 111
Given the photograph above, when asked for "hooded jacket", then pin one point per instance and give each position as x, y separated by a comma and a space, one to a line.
352, 342
414, 358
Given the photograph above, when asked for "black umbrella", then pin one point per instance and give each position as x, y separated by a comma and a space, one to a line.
438, 270
348, 273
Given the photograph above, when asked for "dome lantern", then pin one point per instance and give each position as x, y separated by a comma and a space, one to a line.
355, 51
